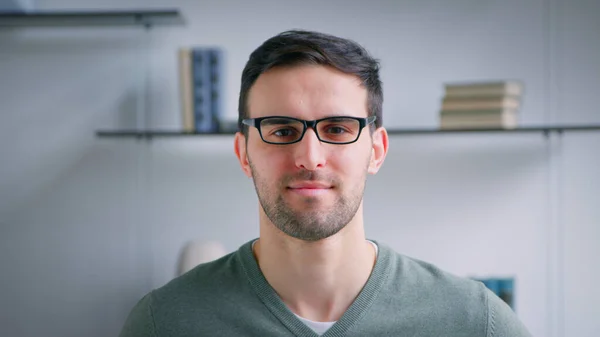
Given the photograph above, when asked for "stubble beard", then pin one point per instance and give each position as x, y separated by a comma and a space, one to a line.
309, 224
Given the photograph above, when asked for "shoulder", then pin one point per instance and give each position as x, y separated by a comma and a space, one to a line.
207, 278
140, 321
426, 279
462, 304
185, 298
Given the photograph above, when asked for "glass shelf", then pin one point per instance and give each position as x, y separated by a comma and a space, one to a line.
392, 131
145, 18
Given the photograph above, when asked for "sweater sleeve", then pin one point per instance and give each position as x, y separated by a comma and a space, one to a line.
140, 322
502, 320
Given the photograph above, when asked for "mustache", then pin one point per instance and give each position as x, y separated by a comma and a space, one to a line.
306, 175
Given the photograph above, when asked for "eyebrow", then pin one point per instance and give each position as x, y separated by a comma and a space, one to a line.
339, 118
278, 120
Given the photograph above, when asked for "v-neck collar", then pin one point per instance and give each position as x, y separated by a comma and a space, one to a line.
280, 310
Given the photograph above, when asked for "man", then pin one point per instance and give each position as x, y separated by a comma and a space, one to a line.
311, 130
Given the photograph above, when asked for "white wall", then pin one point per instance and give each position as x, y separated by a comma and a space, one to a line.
89, 225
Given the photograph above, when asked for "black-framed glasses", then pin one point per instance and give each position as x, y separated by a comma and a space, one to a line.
289, 130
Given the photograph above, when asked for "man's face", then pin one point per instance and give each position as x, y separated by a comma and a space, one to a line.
309, 190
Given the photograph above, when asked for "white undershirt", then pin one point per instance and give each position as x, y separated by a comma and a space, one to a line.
318, 327
321, 327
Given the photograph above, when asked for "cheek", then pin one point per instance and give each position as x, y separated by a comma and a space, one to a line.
268, 164
349, 164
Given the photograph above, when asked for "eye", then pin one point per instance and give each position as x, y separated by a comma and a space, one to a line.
284, 132
335, 129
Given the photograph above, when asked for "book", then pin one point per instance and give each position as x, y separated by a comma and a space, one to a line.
484, 88
505, 120
201, 86
186, 90
216, 86
203, 119
485, 103
477, 112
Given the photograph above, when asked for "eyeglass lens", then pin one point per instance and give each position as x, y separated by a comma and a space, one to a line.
285, 130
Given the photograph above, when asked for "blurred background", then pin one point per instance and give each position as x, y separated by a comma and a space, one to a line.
90, 224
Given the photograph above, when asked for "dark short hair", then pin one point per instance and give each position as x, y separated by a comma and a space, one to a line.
300, 47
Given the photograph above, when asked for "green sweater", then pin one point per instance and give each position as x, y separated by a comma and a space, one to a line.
403, 297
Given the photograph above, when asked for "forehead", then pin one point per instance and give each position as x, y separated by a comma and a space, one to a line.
307, 92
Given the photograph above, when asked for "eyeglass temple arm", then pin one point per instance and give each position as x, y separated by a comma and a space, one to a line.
249, 122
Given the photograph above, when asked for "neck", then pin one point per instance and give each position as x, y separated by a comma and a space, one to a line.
316, 280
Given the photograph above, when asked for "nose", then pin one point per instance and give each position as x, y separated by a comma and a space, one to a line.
309, 152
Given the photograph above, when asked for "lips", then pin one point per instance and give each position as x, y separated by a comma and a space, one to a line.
312, 185
309, 189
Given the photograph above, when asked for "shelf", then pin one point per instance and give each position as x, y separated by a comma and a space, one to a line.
394, 131
158, 133
524, 129
145, 18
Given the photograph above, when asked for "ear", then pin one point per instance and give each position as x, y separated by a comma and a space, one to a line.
379, 151
242, 154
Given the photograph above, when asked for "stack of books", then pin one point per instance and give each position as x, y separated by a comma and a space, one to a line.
201, 86
477, 105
